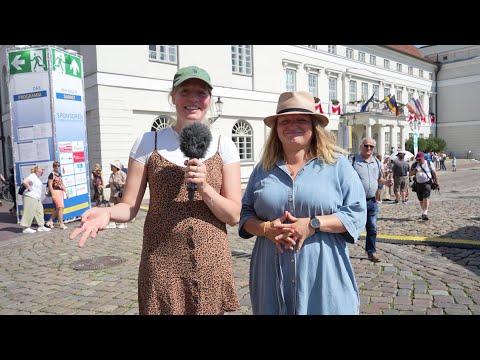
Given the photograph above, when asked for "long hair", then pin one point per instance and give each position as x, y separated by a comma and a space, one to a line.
322, 146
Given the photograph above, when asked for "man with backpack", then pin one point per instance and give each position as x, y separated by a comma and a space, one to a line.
370, 172
426, 179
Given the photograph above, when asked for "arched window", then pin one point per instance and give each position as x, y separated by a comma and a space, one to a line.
242, 136
162, 122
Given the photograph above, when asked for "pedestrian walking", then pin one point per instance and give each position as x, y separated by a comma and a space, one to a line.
32, 202
371, 175
426, 179
57, 188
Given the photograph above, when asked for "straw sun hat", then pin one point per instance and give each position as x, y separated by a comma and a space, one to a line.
299, 102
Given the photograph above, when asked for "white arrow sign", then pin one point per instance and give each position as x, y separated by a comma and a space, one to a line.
16, 62
74, 67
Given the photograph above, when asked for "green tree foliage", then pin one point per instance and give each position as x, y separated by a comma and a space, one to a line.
435, 144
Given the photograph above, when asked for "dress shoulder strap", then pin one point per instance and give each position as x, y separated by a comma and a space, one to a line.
156, 140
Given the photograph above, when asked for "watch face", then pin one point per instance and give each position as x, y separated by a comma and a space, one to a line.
315, 223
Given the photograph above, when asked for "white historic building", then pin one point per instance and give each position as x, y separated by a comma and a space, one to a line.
458, 84
126, 89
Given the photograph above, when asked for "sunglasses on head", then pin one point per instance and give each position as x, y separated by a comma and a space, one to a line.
369, 146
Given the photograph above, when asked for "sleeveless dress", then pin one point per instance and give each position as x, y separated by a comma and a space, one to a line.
186, 265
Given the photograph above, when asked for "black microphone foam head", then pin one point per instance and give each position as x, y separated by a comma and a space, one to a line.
195, 140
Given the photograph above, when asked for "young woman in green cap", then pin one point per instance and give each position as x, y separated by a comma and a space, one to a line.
185, 266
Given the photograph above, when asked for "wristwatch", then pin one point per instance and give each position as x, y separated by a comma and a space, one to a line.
315, 223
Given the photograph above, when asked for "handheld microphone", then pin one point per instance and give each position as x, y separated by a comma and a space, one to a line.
194, 142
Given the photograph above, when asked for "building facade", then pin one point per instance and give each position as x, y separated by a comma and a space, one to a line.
126, 92
458, 84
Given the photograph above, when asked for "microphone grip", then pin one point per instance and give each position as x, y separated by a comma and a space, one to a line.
191, 187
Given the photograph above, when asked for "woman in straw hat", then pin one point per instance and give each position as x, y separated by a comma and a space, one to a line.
304, 202
186, 265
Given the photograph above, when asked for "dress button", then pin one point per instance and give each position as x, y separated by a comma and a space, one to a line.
292, 260
293, 281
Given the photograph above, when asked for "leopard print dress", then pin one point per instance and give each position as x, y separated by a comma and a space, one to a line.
186, 265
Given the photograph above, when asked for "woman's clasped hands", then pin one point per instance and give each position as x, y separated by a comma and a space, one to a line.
288, 232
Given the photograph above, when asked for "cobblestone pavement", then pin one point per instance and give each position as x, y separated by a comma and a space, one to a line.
36, 276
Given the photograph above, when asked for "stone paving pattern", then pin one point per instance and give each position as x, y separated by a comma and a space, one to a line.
36, 275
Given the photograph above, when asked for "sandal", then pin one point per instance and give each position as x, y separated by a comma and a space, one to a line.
49, 224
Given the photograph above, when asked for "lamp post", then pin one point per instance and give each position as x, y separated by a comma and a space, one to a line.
218, 110
415, 125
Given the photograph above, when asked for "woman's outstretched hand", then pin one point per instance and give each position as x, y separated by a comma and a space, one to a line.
93, 220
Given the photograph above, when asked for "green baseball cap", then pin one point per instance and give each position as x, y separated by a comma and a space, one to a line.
191, 72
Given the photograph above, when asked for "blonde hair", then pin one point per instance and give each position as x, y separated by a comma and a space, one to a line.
322, 146
35, 168
97, 167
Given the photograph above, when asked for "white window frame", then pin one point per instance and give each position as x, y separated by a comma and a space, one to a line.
241, 59
242, 136
162, 122
352, 90
290, 79
361, 56
313, 83
163, 53
332, 88
386, 63
349, 53
410, 70
386, 92
399, 67
364, 88
376, 90
332, 49
373, 60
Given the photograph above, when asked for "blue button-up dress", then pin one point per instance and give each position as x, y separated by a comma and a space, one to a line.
319, 279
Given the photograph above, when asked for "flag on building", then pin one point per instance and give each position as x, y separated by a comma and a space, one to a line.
318, 105
432, 118
419, 108
392, 104
335, 109
364, 106
412, 108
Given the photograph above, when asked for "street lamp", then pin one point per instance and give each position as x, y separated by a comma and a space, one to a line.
218, 110
415, 125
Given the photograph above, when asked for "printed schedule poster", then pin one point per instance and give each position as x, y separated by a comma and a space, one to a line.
31, 114
48, 120
70, 127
